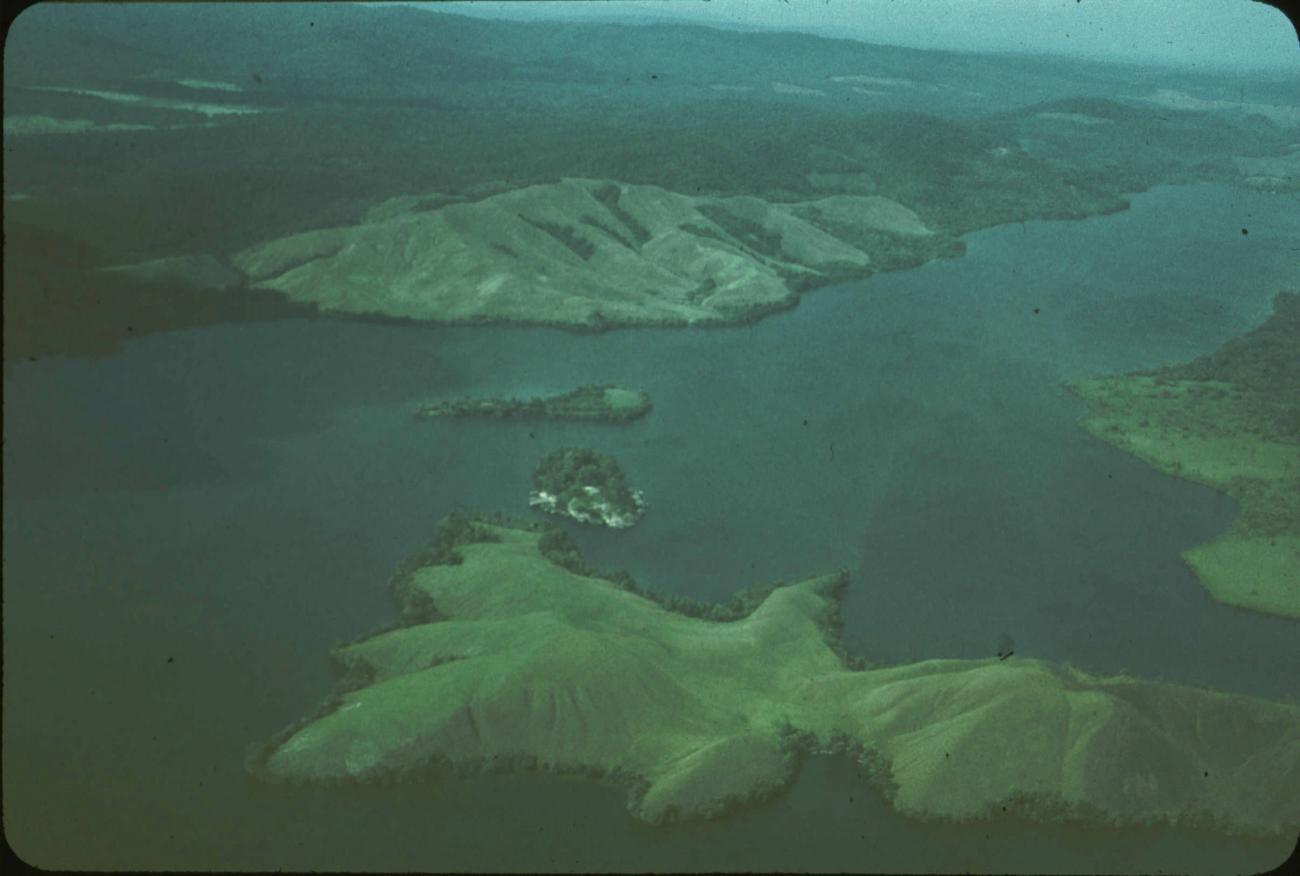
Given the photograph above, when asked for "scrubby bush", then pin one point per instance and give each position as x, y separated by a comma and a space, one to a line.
559, 547
453, 531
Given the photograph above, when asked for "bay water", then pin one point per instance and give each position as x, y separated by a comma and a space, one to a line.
190, 524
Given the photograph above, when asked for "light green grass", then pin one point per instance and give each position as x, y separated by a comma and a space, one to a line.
590, 253
1256, 573
1207, 432
536, 665
620, 399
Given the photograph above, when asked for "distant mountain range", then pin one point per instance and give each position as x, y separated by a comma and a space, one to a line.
341, 51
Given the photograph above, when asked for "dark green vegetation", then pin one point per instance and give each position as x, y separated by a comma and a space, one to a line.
1231, 420
605, 402
56, 300
585, 485
571, 468
368, 104
1263, 368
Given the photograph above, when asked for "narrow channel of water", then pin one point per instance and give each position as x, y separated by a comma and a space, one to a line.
189, 525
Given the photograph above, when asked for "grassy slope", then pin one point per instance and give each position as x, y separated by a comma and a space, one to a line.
591, 253
1230, 420
533, 665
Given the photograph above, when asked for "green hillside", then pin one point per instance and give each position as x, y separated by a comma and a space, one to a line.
506, 660
1230, 420
150, 131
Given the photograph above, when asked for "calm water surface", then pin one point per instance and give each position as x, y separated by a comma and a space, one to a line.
191, 524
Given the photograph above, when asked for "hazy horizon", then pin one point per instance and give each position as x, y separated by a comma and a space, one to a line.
1207, 34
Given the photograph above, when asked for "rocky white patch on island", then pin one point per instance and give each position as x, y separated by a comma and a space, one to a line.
586, 486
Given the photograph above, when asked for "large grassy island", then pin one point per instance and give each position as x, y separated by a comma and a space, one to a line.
504, 659
1230, 420
608, 403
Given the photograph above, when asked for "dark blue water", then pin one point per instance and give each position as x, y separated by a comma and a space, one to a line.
189, 525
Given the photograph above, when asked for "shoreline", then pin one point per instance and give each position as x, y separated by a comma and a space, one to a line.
1225, 420
595, 652
289, 309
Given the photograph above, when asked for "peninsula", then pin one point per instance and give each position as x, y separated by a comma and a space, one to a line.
586, 486
1230, 420
505, 660
607, 403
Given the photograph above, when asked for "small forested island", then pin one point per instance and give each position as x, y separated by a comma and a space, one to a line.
510, 653
586, 486
607, 403
1230, 420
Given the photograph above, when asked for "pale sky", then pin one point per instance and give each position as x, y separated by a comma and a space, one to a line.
1200, 33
